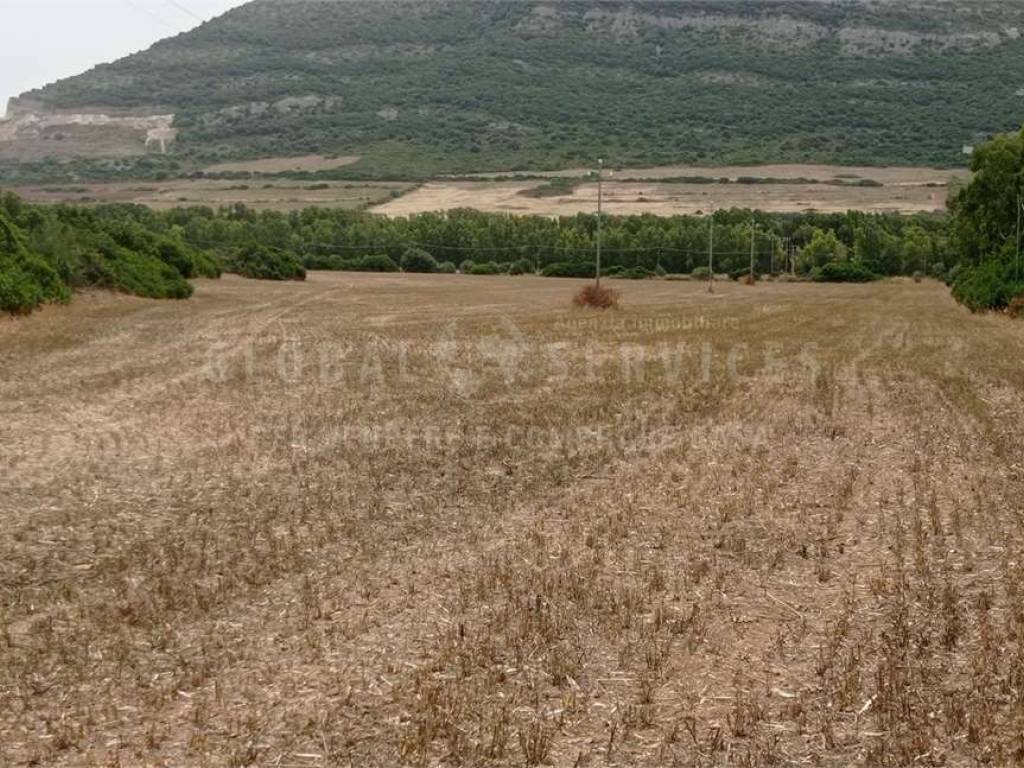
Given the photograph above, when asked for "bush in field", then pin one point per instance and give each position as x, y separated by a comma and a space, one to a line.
633, 273
112, 266
843, 272
521, 267
26, 280
989, 286
189, 261
135, 237
1016, 307
418, 260
264, 262
488, 268
596, 296
568, 269
700, 273
466, 267
447, 268
375, 262
741, 274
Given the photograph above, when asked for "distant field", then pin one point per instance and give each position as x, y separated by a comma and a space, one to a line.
894, 175
309, 163
280, 195
661, 191
429, 520
663, 199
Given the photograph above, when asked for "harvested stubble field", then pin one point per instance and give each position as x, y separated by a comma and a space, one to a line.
624, 198
258, 194
399, 520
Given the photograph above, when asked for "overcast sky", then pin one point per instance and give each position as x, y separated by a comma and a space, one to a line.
45, 40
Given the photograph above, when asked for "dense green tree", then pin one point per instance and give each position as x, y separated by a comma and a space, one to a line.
823, 248
985, 211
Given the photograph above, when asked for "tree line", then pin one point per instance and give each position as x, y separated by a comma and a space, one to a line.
47, 251
887, 244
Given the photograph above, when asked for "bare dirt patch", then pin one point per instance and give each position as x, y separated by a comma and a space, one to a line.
419, 520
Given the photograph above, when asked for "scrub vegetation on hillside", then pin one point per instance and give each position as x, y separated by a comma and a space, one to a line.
421, 88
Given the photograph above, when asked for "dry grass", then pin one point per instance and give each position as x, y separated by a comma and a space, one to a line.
259, 194
888, 175
596, 297
425, 520
305, 163
626, 198
660, 191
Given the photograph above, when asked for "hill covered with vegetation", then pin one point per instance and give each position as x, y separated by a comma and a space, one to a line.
417, 88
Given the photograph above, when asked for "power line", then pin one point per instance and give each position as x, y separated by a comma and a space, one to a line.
469, 248
156, 17
184, 9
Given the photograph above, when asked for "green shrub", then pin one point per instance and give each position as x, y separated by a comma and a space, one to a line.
375, 262
189, 261
700, 273
985, 287
466, 267
952, 274
521, 267
418, 260
633, 273
568, 269
488, 268
26, 280
264, 262
120, 269
843, 272
447, 268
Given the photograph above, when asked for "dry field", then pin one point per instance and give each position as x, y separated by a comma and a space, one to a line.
630, 191
275, 194
666, 199
888, 175
310, 163
378, 520
658, 190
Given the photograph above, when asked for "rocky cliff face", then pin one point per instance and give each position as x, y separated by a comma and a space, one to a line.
32, 130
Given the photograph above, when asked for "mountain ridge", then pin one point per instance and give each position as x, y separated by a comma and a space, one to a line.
451, 86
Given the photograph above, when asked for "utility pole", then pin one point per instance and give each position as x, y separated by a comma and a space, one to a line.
600, 199
711, 249
1020, 207
752, 235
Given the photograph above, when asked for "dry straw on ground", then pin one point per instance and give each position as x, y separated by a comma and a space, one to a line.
777, 554
596, 297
